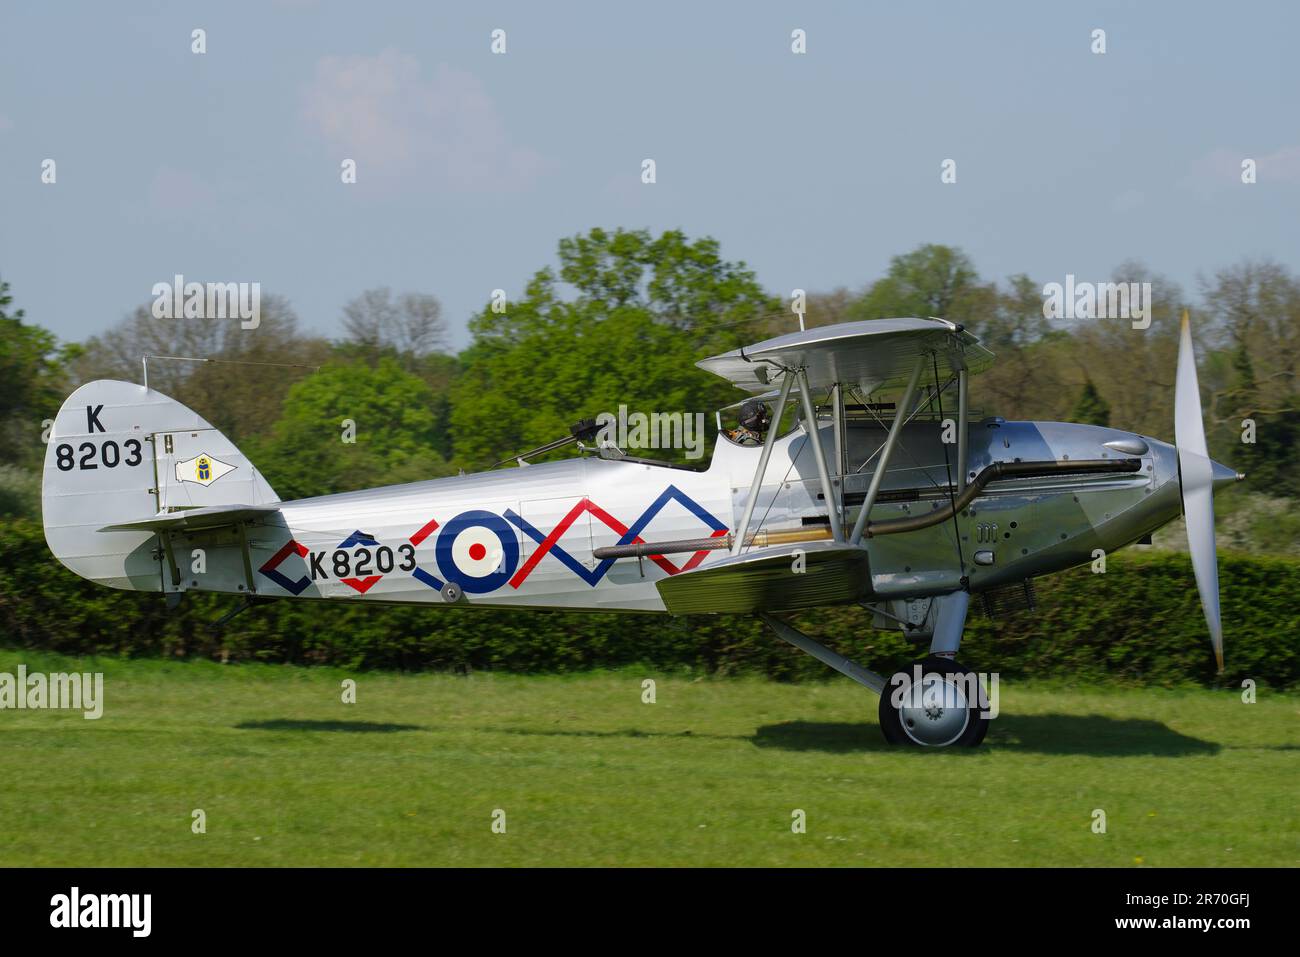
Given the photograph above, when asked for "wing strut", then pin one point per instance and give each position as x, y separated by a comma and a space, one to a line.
841, 462
763, 459
896, 429
819, 454
947, 468
963, 414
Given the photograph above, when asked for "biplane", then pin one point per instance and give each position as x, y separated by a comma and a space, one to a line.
873, 485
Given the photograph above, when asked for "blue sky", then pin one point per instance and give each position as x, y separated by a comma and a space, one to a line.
813, 169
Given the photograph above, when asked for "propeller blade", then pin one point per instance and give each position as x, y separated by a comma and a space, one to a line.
1196, 476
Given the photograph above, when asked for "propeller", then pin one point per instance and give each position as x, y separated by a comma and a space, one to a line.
1196, 476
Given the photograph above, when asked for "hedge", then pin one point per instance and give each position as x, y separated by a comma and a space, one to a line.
1140, 622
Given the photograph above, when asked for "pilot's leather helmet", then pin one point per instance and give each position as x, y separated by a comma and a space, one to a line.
755, 416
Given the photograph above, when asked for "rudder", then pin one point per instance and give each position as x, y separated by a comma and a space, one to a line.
118, 452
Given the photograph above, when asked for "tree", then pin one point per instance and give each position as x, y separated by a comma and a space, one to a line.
1133, 369
31, 383
1032, 358
687, 285
410, 326
931, 280
1091, 408
241, 391
1272, 460
636, 315
390, 412
1255, 309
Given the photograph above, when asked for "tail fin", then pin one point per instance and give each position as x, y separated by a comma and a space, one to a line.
120, 452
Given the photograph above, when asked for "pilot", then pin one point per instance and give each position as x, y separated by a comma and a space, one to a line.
755, 420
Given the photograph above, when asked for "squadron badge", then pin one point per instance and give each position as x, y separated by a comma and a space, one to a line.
203, 469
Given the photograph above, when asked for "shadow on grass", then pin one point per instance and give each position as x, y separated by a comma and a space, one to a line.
355, 727
1094, 735
625, 733
1043, 734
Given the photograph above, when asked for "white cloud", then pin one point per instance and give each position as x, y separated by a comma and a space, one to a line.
446, 130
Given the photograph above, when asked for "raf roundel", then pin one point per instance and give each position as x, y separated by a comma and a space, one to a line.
478, 551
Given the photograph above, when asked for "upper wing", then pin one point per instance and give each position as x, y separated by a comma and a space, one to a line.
872, 355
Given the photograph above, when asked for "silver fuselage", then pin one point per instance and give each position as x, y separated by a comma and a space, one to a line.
523, 537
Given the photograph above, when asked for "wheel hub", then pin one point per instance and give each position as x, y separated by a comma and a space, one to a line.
934, 712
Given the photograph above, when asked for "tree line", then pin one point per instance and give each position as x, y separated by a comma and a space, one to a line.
620, 318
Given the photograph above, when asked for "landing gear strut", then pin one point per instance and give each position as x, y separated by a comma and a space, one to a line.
936, 703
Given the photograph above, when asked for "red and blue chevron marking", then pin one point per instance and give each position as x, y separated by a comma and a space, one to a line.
284, 581
549, 544
359, 537
419, 574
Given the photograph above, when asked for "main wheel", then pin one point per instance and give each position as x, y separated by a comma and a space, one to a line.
945, 706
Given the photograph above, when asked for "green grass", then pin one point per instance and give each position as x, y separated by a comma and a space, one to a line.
589, 775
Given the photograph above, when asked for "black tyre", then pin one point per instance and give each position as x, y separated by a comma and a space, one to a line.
946, 708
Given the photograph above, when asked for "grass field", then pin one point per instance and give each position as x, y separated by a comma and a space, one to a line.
589, 775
